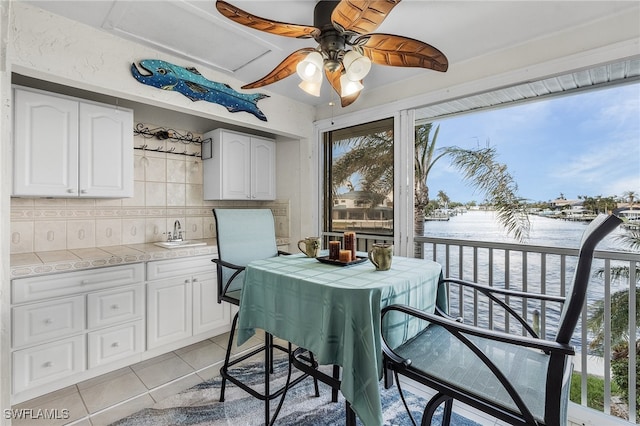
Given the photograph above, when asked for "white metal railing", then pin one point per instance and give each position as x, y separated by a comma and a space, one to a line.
546, 270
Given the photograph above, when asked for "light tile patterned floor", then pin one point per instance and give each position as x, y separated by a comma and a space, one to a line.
112, 396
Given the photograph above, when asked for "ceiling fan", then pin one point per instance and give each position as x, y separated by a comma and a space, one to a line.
346, 46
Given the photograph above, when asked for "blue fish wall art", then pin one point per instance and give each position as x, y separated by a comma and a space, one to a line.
194, 86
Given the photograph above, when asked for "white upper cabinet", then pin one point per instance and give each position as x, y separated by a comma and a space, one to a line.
242, 167
66, 147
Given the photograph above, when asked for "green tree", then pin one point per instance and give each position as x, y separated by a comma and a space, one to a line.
371, 156
621, 336
630, 197
479, 167
424, 159
443, 198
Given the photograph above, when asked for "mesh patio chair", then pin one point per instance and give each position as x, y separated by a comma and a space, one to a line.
522, 380
244, 235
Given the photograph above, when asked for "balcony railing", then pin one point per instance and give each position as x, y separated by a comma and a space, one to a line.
547, 270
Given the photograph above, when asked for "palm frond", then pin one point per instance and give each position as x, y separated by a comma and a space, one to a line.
492, 178
630, 239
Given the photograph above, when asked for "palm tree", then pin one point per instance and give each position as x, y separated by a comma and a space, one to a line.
423, 162
371, 156
621, 336
480, 168
443, 198
630, 196
619, 302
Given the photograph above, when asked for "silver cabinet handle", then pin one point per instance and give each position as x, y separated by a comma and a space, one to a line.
71, 191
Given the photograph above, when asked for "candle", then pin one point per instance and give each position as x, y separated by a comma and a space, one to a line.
334, 250
345, 256
350, 243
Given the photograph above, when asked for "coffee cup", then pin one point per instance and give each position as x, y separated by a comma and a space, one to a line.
380, 255
310, 246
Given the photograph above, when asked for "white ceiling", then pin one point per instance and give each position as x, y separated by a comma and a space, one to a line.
196, 32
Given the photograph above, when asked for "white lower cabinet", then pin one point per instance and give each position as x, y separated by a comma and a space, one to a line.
115, 343
168, 311
72, 326
182, 301
208, 316
42, 364
65, 324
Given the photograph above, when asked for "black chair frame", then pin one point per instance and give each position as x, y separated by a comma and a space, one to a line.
267, 348
558, 351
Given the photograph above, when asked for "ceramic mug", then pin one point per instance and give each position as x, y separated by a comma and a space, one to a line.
311, 246
380, 255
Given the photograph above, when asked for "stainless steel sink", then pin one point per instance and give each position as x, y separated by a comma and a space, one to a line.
180, 244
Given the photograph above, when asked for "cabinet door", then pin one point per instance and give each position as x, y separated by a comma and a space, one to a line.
45, 145
114, 306
38, 322
263, 168
208, 314
236, 166
47, 363
106, 151
169, 311
115, 343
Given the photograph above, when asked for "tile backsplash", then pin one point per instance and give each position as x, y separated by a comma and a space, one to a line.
168, 187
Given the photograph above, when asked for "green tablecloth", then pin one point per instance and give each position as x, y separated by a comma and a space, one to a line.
335, 313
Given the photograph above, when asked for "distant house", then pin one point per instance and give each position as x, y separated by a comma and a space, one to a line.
562, 203
354, 210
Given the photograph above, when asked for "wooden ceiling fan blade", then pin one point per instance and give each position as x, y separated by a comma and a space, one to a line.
334, 79
361, 17
399, 51
283, 70
266, 25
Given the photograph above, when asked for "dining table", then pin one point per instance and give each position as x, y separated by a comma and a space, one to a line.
334, 312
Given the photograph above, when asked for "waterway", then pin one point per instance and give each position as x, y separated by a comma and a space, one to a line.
483, 226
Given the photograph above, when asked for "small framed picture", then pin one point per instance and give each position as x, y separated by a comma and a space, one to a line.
206, 149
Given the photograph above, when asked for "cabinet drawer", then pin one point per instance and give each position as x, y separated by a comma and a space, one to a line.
113, 306
47, 363
38, 322
162, 269
67, 283
115, 343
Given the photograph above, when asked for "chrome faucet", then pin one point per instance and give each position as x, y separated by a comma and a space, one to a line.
177, 232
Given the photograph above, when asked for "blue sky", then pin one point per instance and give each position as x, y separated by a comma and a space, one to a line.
585, 144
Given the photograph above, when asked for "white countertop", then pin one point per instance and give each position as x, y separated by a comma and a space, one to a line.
47, 262
27, 264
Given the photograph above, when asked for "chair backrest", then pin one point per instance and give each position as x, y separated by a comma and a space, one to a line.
599, 228
244, 235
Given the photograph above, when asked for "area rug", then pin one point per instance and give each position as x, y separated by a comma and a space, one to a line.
199, 405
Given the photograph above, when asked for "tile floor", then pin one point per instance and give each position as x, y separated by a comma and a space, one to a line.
112, 396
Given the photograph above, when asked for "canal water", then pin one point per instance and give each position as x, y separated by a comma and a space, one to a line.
483, 226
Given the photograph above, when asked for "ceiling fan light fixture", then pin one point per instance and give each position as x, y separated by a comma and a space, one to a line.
310, 68
311, 87
356, 65
349, 87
